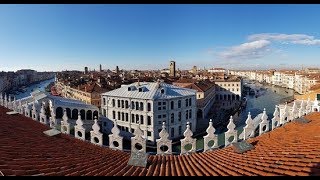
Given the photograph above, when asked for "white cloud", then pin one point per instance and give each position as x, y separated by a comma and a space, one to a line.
286, 38
249, 50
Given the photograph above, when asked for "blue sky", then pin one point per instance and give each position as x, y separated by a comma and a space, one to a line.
135, 36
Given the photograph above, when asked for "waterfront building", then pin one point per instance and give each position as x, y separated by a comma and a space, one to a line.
205, 94
147, 105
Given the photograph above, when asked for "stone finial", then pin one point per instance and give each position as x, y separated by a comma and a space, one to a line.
275, 120
248, 130
210, 137
231, 125
79, 130
79, 121
43, 116
138, 142
65, 125
95, 126
188, 140
230, 133
115, 140
95, 134
264, 124
164, 142
65, 116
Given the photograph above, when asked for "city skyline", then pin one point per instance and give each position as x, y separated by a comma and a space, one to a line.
70, 37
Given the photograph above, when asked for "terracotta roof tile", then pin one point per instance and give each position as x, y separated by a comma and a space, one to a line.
293, 149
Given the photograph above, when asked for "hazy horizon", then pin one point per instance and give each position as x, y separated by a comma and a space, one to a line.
137, 36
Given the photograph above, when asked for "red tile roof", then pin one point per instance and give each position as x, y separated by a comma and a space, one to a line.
293, 149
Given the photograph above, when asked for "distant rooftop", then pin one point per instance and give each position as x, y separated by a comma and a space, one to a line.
150, 90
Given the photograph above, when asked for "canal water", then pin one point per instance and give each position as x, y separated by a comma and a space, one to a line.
37, 86
268, 98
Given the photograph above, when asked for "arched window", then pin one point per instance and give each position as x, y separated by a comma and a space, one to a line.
132, 118
190, 115
149, 106
118, 103
132, 105
104, 101
172, 105
186, 102
186, 114
141, 106
179, 116
113, 103
137, 105
179, 104
149, 120
122, 116
141, 119
172, 118
119, 115
122, 103
113, 115
137, 118
190, 102
172, 132
127, 104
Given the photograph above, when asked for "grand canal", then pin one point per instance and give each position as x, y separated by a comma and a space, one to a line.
37, 86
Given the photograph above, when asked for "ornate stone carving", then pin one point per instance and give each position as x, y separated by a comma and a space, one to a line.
209, 138
188, 141
115, 140
27, 110
138, 142
65, 125
164, 144
230, 133
276, 119
284, 116
79, 130
264, 124
302, 109
53, 120
248, 130
35, 111
95, 134
43, 116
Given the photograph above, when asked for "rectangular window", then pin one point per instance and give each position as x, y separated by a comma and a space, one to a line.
137, 118
164, 107
172, 132
164, 116
159, 122
118, 115
159, 108
122, 116
149, 120
180, 131
159, 116
132, 131
113, 115
149, 106
179, 104
104, 101
127, 117
186, 114
179, 116
141, 119
159, 103
190, 102
190, 115
132, 118
164, 103
148, 133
